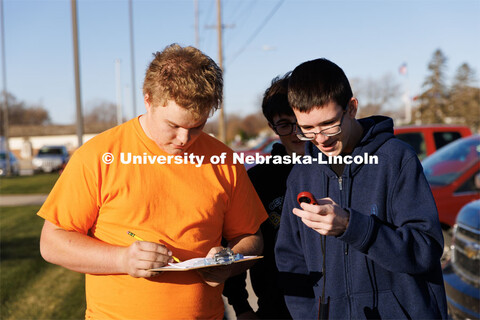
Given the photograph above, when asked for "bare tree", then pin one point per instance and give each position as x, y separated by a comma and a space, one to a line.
253, 124
246, 127
375, 95
20, 113
102, 112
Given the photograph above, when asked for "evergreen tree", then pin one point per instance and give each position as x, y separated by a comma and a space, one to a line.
465, 97
434, 100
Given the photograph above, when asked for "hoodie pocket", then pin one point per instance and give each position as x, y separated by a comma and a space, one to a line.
381, 305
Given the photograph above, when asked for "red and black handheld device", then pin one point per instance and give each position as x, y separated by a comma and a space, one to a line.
307, 197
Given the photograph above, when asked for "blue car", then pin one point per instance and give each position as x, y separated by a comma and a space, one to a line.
14, 164
462, 273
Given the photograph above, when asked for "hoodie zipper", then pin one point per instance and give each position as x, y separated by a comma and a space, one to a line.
340, 180
345, 248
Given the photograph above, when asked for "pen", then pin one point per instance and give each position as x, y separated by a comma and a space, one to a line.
140, 239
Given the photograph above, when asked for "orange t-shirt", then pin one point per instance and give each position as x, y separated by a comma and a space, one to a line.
184, 206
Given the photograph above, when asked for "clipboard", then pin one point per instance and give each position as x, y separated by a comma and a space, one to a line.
201, 263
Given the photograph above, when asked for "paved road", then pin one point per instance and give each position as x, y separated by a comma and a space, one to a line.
13, 200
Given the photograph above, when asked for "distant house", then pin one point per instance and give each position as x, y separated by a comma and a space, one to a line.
25, 141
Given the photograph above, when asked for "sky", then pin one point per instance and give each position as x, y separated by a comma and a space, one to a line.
262, 39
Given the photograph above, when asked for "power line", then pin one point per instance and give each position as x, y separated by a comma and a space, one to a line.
205, 40
242, 18
257, 31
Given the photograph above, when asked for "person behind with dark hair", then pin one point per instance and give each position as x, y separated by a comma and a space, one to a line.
269, 181
370, 246
182, 209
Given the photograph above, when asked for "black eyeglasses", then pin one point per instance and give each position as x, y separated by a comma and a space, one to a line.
328, 132
284, 128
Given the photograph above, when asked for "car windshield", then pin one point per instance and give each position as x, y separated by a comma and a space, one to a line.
46, 150
451, 161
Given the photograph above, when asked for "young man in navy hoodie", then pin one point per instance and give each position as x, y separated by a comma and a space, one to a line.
371, 247
270, 182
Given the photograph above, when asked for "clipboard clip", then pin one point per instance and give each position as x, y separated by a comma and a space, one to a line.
226, 256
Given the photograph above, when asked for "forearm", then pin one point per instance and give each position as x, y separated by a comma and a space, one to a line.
247, 245
79, 252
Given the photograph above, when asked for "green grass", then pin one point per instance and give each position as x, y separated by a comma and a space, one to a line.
39, 183
31, 288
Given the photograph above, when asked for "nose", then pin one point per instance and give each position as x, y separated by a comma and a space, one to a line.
183, 136
320, 138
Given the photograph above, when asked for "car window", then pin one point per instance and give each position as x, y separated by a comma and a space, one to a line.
444, 138
469, 185
417, 141
50, 151
450, 162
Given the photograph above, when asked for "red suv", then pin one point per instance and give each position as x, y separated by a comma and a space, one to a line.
426, 139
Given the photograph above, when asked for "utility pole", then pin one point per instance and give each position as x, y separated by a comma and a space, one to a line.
5, 97
77, 74
221, 118
118, 85
132, 57
406, 95
220, 27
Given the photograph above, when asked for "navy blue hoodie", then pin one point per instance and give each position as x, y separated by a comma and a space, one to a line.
387, 262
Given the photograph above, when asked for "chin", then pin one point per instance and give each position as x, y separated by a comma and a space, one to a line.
300, 151
176, 151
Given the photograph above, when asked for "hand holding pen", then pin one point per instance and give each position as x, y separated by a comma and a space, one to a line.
142, 256
140, 239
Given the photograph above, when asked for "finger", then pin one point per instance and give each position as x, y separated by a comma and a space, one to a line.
317, 224
313, 216
323, 207
213, 251
147, 274
151, 256
307, 206
153, 247
147, 265
325, 201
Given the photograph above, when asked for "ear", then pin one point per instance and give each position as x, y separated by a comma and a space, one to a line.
352, 107
146, 101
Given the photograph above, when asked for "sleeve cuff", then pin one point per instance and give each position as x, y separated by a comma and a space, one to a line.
359, 231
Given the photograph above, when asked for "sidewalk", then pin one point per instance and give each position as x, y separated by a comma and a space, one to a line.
13, 200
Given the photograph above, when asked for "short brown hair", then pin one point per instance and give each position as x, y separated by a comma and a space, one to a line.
275, 99
185, 75
315, 83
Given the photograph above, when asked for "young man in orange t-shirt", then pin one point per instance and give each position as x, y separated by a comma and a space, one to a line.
158, 176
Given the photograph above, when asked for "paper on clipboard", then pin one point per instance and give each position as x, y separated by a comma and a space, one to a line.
199, 263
